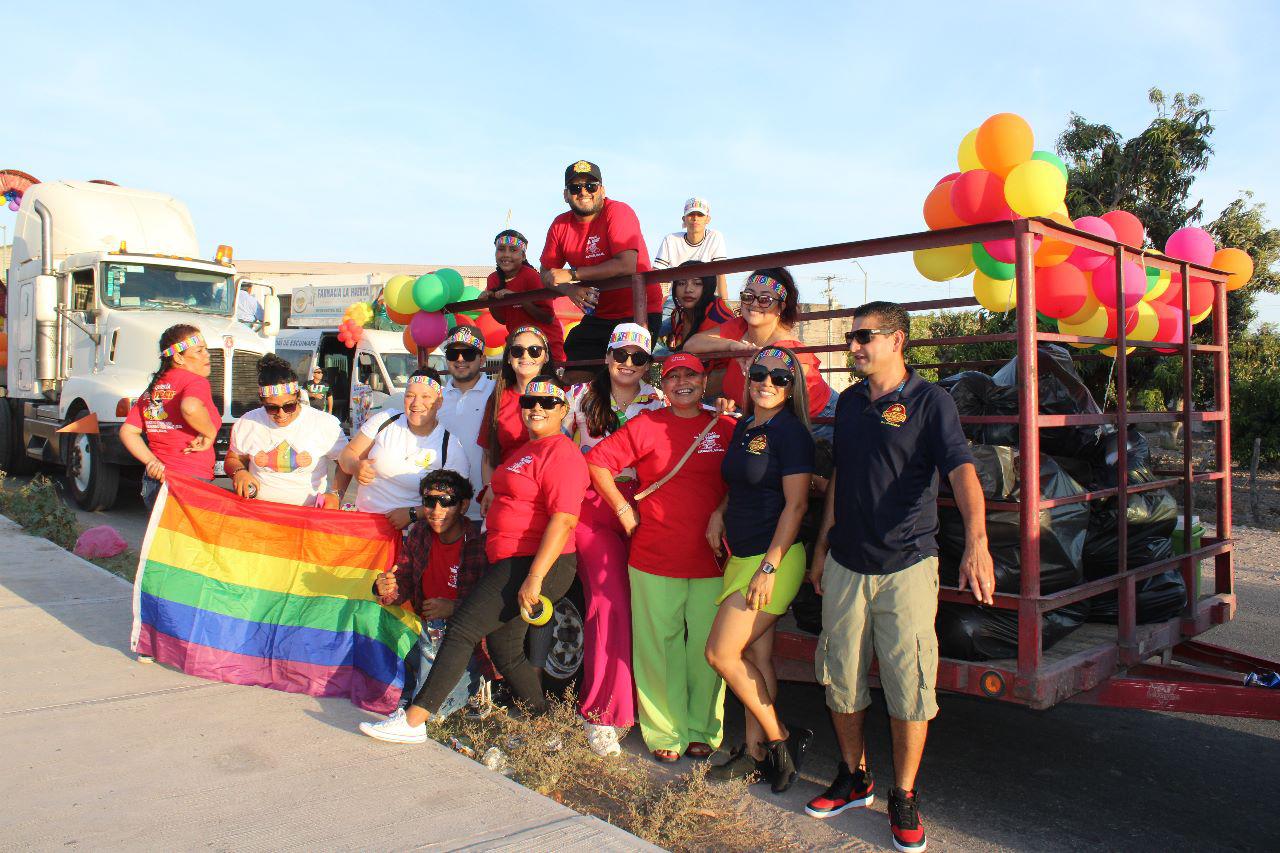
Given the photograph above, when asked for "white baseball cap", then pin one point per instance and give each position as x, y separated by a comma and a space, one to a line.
630, 335
697, 205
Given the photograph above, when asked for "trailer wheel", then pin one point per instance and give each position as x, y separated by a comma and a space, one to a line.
562, 642
90, 480
13, 457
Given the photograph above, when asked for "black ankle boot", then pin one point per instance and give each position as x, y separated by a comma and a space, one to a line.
782, 769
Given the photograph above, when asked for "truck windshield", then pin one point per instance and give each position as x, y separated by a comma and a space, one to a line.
148, 287
399, 367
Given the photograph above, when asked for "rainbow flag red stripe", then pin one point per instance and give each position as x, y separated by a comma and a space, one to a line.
252, 592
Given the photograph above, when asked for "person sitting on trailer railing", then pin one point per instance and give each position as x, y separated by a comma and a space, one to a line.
876, 560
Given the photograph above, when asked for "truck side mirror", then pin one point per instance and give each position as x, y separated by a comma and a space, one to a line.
46, 298
271, 315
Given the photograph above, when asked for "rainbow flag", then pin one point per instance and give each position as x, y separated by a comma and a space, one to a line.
252, 592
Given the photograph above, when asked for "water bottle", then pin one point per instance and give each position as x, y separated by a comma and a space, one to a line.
1263, 678
588, 308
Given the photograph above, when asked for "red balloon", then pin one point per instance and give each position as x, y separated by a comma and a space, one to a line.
1061, 291
1104, 283
946, 178
1201, 296
978, 196
495, 334
398, 318
1170, 330
1128, 228
463, 320
1003, 250
1088, 259
1130, 322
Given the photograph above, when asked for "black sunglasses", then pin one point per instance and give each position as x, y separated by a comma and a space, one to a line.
863, 336
639, 358
433, 501
764, 300
287, 408
461, 354
534, 351
546, 402
781, 377
589, 187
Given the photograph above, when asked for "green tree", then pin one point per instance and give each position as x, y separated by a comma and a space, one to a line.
1243, 224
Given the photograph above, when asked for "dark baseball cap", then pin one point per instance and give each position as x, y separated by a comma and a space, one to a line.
581, 169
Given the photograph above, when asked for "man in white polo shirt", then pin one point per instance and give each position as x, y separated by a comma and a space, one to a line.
465, 395
696, 242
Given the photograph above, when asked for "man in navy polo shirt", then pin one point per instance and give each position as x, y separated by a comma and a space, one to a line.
876, 560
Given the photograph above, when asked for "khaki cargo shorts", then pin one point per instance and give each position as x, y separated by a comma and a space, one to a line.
888, 616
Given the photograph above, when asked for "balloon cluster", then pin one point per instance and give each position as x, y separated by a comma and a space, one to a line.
349, 332
416, 303
13, 183
13, 198
1003, 177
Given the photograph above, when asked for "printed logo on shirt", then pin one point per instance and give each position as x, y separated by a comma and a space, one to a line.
757, 445
894, 416
453, 576
593, 249
282, 458
517, 466
155, 411
162, 393
422, 459
710, 443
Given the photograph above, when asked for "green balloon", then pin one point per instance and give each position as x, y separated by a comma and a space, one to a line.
469, 292
429, 292
453, 284
450, 322
990, 266
1050, 157
474, 315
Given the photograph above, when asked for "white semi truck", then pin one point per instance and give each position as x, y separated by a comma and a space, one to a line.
97, 273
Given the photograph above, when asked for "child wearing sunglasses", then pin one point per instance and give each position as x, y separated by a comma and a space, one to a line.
770, 307
281, 451
442, 560
597, 409
516, 275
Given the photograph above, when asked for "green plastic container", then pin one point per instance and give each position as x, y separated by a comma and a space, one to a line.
1197, 534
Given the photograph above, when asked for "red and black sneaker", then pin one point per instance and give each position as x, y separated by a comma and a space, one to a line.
904, 821
848, 791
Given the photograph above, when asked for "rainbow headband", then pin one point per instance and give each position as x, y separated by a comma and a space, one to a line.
424, 379
780, 354
196, 340
533, 330
543, 388
779, 289
509, 240
278, 389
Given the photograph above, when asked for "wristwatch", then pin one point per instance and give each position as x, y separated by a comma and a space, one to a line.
573, 271
767, 568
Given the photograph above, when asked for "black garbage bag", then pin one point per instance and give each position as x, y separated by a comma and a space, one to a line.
807, 609
969, 632
1062, 392
976, 393
1160, 598
1062, 529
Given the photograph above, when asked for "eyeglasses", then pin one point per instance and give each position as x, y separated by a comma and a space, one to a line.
639, 358
462, 354
287, 408
433, 501
764, 300
781, 377
863, 336
545, 403
534, 351
588, 187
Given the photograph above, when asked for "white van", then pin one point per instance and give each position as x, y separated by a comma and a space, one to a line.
364, 380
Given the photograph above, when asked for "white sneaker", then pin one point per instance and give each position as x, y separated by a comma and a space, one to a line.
396, 729
603, 740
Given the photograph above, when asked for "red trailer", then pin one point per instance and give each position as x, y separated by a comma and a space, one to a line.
1154, 666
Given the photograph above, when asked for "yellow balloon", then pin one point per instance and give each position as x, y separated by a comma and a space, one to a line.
1093, 326
1198, 317
1035, 188
1161, 285
1087, 310
1110, 352
944, 263
997, 296
967, 156
1148, 322
392, 293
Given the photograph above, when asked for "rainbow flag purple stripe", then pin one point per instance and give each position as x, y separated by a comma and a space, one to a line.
265, 594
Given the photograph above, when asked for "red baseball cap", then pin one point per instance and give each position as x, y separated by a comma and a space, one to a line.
683, 359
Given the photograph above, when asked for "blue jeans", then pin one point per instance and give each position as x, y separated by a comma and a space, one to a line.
151, 489
418, 664
829, 411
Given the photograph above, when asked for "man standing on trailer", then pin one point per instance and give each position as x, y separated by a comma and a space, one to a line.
876, 560
463, 400
597, 238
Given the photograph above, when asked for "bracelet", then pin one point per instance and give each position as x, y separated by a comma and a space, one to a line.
620, 510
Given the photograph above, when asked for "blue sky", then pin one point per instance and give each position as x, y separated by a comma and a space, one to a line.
331, 132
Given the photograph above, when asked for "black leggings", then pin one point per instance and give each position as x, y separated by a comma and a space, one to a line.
492, 612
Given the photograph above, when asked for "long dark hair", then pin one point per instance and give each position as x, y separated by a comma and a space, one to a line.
507, 379
790, 311
797, 394
698, 313
274, 370
168, 338
597, 405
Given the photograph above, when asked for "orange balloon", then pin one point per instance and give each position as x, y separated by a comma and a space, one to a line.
409, 343
398, 318
1234, 261
1004, 141
1053, 252
937, 208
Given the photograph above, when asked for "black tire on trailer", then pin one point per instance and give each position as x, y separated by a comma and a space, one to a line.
563, 666
91, 482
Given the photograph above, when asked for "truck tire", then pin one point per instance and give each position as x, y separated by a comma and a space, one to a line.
13, 457
92, 482
558, 647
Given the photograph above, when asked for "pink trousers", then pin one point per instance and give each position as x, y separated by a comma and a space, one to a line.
607, 692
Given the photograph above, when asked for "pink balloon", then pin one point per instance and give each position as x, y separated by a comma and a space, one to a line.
1104, 283
1088, 259
1003, 250
1190, 244
13, 205
945, 178
428, 329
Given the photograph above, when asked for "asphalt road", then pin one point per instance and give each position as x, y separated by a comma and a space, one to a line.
1000, 777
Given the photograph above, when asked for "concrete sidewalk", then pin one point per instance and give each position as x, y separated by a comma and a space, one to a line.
100, 751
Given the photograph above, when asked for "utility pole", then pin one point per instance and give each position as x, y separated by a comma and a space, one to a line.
829, 292
865, 282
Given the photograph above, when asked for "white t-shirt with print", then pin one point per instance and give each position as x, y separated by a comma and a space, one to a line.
291, 462
675, 249
575, 425
401, 459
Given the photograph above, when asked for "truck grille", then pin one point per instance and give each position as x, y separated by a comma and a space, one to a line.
244, 380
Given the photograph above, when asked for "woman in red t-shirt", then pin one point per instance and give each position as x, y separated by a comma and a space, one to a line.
525, 356
673, 572
538, 491
176, 414
770, 307
516, 275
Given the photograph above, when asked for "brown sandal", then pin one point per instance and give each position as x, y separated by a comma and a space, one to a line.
666, 756
699, 750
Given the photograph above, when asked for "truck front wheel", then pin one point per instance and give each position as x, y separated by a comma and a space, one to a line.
91, 480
